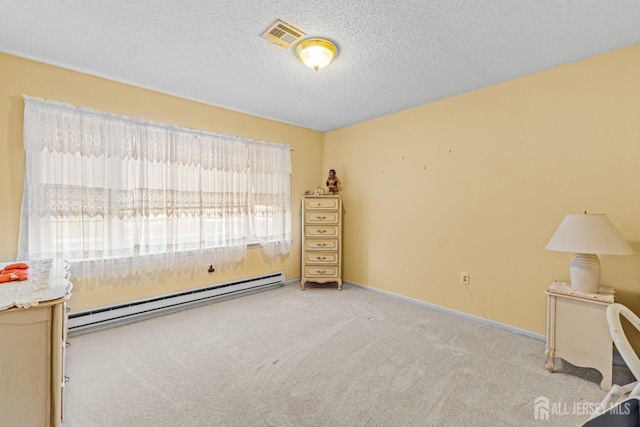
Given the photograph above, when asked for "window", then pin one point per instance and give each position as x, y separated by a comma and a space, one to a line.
111, 193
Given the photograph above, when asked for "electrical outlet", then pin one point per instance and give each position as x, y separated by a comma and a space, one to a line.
464, 278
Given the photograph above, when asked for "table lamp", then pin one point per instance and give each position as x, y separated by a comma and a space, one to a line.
587, 236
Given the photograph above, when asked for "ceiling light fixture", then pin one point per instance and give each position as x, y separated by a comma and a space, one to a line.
316, 53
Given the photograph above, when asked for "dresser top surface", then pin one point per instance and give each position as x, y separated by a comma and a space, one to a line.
39, 287
605, 295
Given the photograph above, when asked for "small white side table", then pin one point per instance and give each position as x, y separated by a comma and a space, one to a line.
577, 329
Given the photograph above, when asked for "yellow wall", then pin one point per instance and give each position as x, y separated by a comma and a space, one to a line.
20, 77
475, 183
478, 183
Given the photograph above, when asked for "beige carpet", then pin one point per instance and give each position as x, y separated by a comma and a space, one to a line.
317, 358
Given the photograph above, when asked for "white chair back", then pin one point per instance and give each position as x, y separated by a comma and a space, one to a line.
614, 314
610, 412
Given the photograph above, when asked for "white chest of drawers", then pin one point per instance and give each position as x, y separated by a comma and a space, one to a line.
32, 351
321, 240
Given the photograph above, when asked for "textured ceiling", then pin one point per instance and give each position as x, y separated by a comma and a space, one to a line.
393, 54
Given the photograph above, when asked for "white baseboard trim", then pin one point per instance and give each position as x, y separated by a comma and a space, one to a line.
292, 281
509, 328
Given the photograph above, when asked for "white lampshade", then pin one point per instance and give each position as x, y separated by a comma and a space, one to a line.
316, 53
587, 236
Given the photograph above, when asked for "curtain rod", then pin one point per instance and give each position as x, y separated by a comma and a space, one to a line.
127, 119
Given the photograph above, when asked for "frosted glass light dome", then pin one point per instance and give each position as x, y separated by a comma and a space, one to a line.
316, 53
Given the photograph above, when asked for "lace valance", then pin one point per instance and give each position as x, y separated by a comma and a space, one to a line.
64, 129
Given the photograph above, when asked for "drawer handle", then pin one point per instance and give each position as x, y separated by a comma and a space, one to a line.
322, 231
321, 217
321, 258
322, 271
318, 204
67, 344
322, 245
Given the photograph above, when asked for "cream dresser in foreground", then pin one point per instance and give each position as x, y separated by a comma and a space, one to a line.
32, 345
577, 329
321, 240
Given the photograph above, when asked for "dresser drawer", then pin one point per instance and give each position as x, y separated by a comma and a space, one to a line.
321, 245
319, 217
321, 271
322, 203
322, 230
321, 257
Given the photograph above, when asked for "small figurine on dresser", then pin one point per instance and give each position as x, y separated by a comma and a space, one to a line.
333, 182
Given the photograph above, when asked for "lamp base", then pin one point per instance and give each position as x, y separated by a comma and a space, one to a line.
585, 273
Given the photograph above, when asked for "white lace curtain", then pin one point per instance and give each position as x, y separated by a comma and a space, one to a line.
116, 194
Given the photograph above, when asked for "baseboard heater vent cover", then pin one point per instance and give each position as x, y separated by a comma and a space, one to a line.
101, 317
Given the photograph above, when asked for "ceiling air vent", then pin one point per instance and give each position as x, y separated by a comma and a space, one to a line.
282, 33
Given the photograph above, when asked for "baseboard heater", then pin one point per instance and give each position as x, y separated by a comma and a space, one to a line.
97, 318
